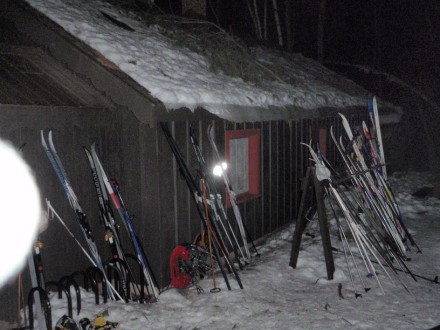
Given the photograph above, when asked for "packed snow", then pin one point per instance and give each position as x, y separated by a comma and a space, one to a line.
181, 78
276, 296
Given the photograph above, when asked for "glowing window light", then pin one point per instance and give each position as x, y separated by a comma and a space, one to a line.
219, 168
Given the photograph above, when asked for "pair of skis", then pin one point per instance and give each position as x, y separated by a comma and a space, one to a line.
61, 174
108, 190
105, 188
108, 193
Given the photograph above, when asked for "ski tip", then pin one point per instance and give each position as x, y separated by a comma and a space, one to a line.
211, 132
304, 144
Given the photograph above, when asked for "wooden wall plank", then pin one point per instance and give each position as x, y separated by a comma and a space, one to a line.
255, 218
265, 178
182, 197
167, 229
150, 200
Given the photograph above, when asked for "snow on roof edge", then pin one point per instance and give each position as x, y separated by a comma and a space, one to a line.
241, 114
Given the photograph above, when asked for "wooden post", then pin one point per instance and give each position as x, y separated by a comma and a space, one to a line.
301, 221
324, 229
301, 224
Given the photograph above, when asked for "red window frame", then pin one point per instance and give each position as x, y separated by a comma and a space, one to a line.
253, 137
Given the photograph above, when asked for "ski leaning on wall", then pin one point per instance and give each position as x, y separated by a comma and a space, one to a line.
113, 192
64, 181
232, 197
118, 260
198, 193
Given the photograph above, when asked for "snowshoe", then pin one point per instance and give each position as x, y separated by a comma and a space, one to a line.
188, 263
99, 323
66, 323
180, 277
85, 323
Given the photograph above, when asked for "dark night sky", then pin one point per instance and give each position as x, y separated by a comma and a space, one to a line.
401, 37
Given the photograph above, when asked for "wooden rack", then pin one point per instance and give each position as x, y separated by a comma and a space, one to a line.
312, 197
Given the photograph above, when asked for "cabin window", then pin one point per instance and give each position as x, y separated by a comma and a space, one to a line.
242, 148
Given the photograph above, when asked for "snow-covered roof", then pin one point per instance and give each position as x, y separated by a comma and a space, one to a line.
180, 78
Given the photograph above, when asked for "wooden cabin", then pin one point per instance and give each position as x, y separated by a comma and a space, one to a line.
49, 80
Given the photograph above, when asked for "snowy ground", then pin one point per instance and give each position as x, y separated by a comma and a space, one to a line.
279, 297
